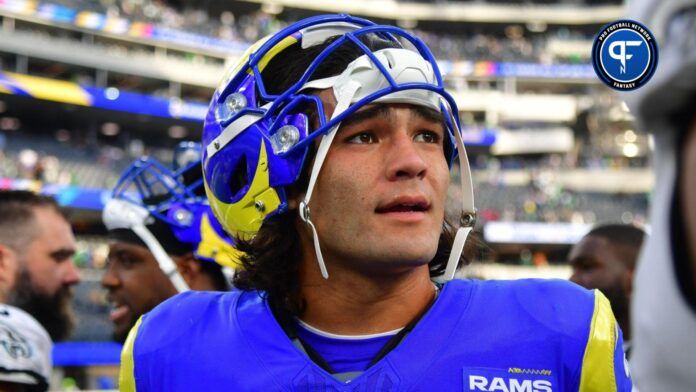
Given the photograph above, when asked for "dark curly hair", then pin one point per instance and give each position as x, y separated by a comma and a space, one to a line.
272, 258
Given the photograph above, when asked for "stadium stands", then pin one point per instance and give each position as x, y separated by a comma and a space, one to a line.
476, 43
45, 159
533, 204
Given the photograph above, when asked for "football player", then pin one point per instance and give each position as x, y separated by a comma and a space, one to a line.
605, 259
35, 235
165, 238
327, 150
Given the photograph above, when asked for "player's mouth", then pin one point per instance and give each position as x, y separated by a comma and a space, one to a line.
119, 311
409, 208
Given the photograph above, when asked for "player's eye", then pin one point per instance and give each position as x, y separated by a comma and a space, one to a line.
365, 137
427, 137
586, 266
124, 259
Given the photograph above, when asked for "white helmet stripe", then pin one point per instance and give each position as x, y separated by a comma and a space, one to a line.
233, 130
317, 34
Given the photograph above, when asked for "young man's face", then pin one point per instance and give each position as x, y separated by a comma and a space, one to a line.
380, 196
135, 283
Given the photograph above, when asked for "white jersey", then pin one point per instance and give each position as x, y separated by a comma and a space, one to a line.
25, 348
663, 324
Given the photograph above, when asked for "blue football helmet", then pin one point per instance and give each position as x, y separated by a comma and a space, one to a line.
149, 191
256, 142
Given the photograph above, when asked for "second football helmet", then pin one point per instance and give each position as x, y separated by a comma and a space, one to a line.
149, 193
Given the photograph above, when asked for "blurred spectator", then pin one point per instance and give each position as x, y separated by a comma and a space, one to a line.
605, 259
515, 44
34, 229
530, 203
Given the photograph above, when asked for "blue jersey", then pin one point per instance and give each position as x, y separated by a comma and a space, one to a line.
522, 336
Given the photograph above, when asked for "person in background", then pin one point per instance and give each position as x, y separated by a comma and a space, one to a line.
35, 232
605, 259
36, 272
25, 352
663, 310
164, 238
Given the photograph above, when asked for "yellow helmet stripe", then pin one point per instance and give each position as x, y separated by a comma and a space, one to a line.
279, 47
242, 60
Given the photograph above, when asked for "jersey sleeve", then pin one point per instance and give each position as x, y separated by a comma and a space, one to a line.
126, 376
604, 367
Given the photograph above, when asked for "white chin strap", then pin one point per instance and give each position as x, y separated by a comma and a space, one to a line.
468, 211
362, 78
343, 102
120, 214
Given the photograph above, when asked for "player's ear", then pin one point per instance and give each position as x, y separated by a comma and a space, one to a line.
188, 267
296, 193
294, 201
8, 268
8, 260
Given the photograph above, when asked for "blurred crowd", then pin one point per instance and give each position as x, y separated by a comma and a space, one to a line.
540, 200
62, 161
49, 162
569, 2
515, 44
553, 204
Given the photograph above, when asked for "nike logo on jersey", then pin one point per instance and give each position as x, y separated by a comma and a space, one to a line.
502, 380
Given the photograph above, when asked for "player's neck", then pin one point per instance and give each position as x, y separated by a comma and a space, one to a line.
350, 303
